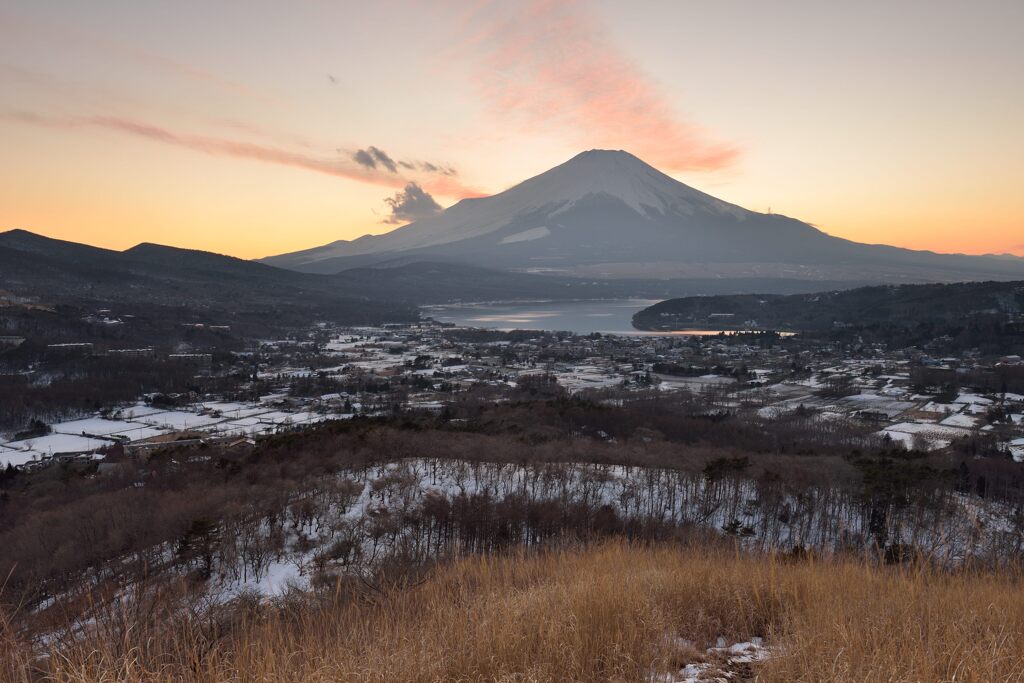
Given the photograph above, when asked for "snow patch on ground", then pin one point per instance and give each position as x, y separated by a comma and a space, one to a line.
721, 663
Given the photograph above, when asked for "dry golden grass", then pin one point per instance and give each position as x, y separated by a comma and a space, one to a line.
614, 612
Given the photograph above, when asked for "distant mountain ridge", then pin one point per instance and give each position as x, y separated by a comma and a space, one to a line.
62, 272
59, 272
608, 214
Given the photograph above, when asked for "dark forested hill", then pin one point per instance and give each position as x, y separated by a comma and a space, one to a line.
903, 306
53, 271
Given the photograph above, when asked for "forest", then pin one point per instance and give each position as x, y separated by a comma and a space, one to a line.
951, 318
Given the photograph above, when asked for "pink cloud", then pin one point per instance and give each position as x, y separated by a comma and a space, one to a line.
550, 65
339, 166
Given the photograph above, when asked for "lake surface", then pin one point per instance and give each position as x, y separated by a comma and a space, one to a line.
581, 317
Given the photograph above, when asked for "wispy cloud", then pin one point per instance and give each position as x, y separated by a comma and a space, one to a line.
549, 64
372, 157
376, 158
340, 166
411, 204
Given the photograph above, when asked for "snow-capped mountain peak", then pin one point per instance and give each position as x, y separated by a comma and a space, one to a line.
608, 214
618, 174
610, 174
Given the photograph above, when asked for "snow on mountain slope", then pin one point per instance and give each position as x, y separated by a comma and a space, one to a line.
537, 233
608, 214
617, 174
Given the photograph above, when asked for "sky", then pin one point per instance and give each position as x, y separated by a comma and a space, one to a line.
264, 127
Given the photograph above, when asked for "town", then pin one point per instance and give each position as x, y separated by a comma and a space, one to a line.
907, 397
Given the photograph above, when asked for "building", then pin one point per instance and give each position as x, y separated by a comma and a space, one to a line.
75, 350
132, 353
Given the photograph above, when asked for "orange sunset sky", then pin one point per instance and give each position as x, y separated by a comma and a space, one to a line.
263, 127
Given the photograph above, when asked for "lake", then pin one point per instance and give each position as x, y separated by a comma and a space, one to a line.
581, 317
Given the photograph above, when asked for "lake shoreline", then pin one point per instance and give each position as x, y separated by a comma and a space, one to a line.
579, 316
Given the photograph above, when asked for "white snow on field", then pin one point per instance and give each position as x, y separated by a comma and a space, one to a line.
243, 423
933, 407
267, 421
174, 419
234, 411
276, 417
960, 421
929, 429
53, 444
305, 418
95, 426
140, 433
17, 458
973, 399
874, 402
902, 438
138, 422
226, 407
138, 410
932, 436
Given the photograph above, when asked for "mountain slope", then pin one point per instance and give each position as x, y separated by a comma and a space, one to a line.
609, 214
61, 272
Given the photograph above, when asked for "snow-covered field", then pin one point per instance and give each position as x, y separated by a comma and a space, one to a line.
140, 422
379, 497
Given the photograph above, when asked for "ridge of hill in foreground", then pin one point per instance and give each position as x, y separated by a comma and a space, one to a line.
902, 306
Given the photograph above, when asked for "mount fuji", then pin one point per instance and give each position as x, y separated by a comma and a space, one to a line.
608, 214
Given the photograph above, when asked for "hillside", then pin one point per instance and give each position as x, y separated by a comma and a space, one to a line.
606, 214
59, 272
902, 306
614, 612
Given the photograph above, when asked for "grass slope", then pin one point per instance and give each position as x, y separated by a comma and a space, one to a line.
613, 612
